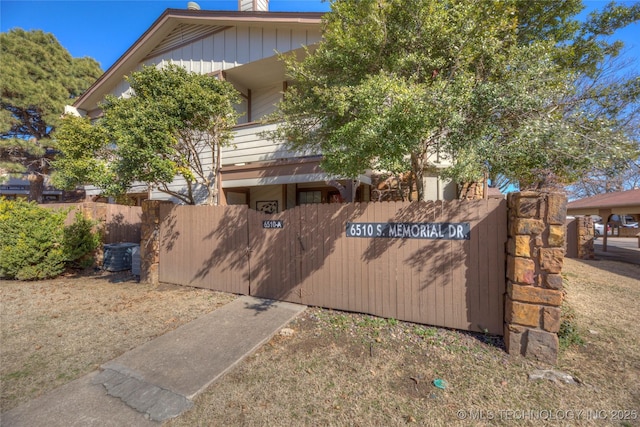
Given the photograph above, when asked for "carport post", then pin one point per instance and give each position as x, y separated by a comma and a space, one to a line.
604, 214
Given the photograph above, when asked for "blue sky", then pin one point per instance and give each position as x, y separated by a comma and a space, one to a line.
104, 30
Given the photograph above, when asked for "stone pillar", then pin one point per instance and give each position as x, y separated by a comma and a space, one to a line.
150, 240
534, 284
472, 190
585, 238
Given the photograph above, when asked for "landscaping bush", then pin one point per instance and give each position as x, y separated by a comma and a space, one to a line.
35, 244
80, 242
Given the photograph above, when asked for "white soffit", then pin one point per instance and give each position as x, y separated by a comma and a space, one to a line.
184, 34
285, 179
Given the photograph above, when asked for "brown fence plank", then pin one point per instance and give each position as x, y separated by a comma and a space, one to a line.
345, 259
473, 265
404, 272
122, 223
439, 304
497, 284
376, 259
345, 256
571, 238
204, 246
320, 261
73, 208
483, 267
119, 223
270, 256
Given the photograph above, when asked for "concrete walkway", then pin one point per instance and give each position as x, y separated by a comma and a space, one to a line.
158, 380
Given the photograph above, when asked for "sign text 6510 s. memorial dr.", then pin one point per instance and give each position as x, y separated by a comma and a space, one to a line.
411, 230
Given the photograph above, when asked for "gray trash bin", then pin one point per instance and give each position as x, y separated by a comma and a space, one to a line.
117, 256
135, 260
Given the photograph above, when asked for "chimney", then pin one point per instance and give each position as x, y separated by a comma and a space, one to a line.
253, 5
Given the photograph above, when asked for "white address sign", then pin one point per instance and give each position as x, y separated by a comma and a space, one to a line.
411, 230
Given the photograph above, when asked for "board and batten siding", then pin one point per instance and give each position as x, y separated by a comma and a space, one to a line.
237, 46
224, 49
248, 146
230, 48
251, 5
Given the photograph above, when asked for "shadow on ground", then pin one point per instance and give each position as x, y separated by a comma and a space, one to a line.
622, 257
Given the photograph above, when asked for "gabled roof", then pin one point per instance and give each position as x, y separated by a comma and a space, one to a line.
176, 27
618, 202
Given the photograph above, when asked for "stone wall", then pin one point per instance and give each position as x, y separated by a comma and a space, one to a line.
585, 237
471, 190
150, 240
626, 232
535, 254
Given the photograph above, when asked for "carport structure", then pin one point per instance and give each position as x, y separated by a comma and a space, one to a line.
607, 204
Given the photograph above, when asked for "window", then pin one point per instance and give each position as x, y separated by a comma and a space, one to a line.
306, 197
325, 195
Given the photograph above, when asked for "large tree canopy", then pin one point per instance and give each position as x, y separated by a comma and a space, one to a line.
518, 89
39, 77
173, 124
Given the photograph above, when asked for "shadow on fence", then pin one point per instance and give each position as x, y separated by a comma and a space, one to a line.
117, 223
303, 255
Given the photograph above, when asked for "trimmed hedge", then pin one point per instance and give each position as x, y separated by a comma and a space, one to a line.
35, 244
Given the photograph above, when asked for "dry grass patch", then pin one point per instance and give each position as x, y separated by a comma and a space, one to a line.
350, 369
338, 368
55, 331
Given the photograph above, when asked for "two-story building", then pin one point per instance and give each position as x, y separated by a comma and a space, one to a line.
242, 48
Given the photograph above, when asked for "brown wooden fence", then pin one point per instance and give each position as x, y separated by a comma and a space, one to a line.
303, 255
571, 241
119, 223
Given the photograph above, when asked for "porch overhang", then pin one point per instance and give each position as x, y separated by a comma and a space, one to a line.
279, 172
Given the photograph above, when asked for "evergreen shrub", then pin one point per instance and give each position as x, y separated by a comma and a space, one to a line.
35, 244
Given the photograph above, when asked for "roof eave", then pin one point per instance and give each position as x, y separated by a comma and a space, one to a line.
165, 23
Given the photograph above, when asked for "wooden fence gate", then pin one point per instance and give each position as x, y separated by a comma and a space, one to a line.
303, 255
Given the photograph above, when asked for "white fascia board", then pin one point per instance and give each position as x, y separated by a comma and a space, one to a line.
70, 109
91, 190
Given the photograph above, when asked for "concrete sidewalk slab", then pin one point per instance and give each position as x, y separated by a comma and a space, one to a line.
79, 403
159, 379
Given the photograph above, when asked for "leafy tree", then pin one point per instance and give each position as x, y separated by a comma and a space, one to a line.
512, 88
39, 77
173, 124
606, 181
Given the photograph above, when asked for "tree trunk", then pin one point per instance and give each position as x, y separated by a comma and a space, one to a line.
213, 185
216, 180
417, 165
36, 187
